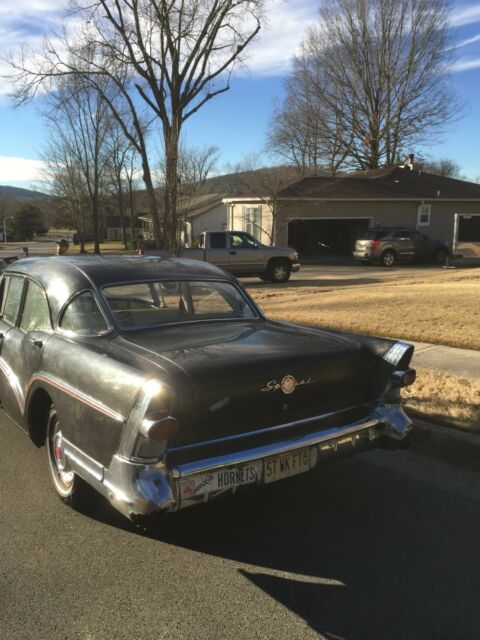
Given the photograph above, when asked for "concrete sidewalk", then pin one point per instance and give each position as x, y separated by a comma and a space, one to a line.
460, 362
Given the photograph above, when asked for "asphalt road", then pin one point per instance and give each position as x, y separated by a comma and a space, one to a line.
381, 546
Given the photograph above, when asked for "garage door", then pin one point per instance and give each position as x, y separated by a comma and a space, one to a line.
324, 238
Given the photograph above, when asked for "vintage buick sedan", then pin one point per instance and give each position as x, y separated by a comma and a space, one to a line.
160, 383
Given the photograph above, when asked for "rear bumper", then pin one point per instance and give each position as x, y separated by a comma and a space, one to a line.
362, 255
142, 489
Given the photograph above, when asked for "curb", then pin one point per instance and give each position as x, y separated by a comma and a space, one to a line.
450, 445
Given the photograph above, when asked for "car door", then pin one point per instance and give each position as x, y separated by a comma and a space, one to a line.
246, 256
218, 253
23, 342
403, 243
422, 248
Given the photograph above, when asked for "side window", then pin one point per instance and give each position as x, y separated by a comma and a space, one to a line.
218, 240
401, 234
36, 314
12, 296
241, 241
83, 316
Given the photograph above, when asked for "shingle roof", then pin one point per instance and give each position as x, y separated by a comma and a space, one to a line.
393, 182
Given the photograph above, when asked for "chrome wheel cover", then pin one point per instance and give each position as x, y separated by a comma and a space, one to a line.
63, 476
280, 272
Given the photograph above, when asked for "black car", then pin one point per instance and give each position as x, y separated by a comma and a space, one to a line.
160, 383
399, 244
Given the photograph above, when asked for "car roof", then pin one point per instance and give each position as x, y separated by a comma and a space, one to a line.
101, 270
62, 276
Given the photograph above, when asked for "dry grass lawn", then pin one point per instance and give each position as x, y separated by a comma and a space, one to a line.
445, 399
111, 247
440, 307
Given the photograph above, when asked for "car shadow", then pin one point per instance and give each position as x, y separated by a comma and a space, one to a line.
354, 550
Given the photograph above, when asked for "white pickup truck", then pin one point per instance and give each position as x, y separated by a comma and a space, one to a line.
242, 255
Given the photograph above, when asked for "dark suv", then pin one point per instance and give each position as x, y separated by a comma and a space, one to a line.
399, 244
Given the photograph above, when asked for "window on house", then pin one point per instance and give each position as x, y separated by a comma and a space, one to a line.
252, 221
423, 215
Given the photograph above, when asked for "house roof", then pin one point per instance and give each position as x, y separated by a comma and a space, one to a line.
194, 206
392, 182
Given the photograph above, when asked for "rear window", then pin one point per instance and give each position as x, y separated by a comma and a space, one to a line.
374, 234
145, 304
218, 241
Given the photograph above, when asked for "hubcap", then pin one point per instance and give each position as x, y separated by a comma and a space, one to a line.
388, 259
64, 475
279, 272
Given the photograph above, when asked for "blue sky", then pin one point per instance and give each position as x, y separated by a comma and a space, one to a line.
236, 121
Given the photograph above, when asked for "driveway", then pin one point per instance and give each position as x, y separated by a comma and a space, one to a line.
314, 273
380, 546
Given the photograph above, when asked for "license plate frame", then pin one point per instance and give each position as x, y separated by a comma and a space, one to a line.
222, 479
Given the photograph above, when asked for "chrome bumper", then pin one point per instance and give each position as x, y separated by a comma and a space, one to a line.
142, 489
295, 267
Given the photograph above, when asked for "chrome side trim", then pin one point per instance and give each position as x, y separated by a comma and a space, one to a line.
75, 393
240, 457
14, 383
83, 462
259, 432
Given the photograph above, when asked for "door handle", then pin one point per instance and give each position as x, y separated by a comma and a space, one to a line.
37, 343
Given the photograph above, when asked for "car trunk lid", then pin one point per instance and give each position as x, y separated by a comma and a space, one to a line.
245, 376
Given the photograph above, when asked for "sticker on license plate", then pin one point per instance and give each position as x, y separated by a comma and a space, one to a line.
286, 465
221, 480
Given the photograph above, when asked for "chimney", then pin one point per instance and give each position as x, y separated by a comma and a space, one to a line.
410, 161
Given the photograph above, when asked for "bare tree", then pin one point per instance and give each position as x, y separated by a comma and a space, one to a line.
265, 184
305, 129
66, 183
442, 167
195, 166
82, 121
379, 69
175, 55
121, 163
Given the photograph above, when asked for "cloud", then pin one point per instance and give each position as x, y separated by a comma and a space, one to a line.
26, 25
465, 15
13, 169
465, 65
280, 38
465, 43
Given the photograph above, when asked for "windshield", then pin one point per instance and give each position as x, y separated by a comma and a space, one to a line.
145, 304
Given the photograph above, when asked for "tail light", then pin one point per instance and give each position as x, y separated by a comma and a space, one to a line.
375, 244
159, 430
403, 378
153, 437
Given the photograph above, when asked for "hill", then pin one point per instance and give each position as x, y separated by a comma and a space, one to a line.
17, 193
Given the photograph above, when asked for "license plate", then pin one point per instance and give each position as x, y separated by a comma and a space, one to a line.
222, 479
286, 465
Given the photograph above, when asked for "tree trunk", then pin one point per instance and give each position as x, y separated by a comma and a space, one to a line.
170, 227
95, 221
152, 202
130, 204
121, 209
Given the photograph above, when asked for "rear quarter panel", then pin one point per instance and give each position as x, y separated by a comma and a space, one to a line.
92, 392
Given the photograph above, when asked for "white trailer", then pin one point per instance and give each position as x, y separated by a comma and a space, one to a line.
466, 235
